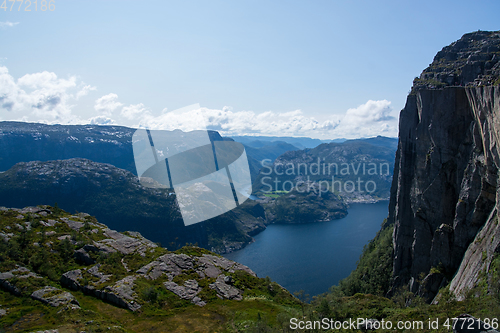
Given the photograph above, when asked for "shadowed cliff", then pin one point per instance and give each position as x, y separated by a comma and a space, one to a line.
444, 196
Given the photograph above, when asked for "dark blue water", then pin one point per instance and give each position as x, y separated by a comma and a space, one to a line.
314, 256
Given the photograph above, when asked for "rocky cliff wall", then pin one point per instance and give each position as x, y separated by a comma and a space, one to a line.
445, 196
445, 184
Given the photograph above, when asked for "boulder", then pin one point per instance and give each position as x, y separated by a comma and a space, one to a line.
225, 290
122, 293
169, 264
71, 279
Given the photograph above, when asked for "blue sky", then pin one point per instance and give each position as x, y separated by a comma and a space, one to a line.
323, 69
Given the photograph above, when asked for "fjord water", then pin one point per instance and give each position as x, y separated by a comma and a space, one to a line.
313, 256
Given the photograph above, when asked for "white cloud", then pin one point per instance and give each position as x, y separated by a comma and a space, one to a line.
101, 120
85, 91
228, 122
38, 97
133, 112
369, 119
44, 97
371, 111
107, 104
8, 24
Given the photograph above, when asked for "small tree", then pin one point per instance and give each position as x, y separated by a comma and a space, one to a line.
304, 298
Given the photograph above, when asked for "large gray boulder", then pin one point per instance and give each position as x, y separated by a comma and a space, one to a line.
169, 264
120, 293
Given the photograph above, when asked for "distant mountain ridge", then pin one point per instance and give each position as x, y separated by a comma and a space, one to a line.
24, 142
366, 164
299, 142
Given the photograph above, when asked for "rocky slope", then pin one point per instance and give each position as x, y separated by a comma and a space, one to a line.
72, 262
444, 197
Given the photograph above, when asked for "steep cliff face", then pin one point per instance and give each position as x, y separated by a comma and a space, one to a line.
444, 196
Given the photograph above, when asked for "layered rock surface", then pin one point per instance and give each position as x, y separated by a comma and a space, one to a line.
445, 197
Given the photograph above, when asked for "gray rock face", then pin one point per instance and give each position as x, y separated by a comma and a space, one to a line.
75, 225
445, 190
125, 244
471, 61
121, 293
206, 266
188, 291
175, 264
169, 264
116, 242
228, 265
83, 256
72, 279
224, 289
55, 297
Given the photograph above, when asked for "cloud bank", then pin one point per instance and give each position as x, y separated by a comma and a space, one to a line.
44, 97
8, 24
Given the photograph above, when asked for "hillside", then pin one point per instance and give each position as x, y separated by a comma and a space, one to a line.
299, 142
356, 170
116, 198
71, 273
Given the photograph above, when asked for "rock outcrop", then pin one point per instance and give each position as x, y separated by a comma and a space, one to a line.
123, 269
9, 280
444, 197
55, 297
50, 253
